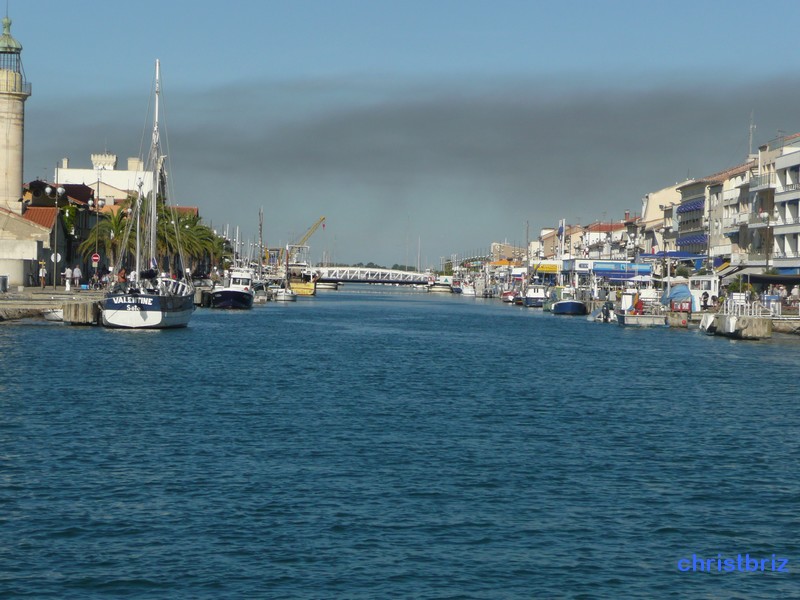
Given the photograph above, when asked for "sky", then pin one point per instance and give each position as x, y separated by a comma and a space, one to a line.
419, 128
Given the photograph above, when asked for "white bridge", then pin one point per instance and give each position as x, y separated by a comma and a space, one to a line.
370, 275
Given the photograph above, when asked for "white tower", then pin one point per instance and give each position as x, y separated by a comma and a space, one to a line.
14, 90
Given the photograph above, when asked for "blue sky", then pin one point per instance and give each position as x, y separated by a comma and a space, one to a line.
440, 123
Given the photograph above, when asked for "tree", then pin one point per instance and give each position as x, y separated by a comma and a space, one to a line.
108, 234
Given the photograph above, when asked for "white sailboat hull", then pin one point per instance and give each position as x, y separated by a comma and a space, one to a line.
147, 311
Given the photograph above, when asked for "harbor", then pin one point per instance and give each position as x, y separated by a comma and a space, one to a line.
636, 307
397, 300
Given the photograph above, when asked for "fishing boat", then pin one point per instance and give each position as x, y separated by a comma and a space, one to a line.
509, 296
302, 278
285, 295
442, 284
642, 310
468, 289
568, 304
150, 299
632, 319
238, 293
535, 295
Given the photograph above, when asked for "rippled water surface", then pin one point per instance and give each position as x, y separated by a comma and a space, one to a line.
377, 443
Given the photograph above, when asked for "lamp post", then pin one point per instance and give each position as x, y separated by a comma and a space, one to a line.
57, 194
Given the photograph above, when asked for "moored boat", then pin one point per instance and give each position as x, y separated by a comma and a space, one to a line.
567, 304
285, 295
150, 300
302, 278
441, 285
238, 293
508, 296
535, 295
633, 319
53, 314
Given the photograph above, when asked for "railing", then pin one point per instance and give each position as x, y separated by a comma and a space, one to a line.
761, 181
757, 219
735, 307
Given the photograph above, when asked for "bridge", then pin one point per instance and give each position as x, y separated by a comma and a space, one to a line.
370, 275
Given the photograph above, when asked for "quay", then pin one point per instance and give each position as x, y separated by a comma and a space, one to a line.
80, 306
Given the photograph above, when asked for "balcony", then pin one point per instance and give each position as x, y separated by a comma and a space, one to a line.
790, 191
756, 221
760, 182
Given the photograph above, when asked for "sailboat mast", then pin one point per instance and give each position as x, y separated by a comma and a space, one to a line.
138, 230
155, 153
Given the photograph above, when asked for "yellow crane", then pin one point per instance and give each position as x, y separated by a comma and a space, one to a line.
302, 241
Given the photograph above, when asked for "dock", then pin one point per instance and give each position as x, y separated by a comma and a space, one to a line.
79, 307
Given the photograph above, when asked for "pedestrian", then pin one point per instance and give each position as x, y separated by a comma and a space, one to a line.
76, 276
42, 274
67, 277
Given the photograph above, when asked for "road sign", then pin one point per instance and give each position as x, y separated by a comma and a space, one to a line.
95, 257
55, 257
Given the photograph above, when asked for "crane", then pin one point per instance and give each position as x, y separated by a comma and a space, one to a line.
302, 241
310, 232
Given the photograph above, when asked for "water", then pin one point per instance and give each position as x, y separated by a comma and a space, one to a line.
377, 443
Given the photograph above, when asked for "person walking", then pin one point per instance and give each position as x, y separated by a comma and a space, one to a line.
76, 276
67, 277
42, 274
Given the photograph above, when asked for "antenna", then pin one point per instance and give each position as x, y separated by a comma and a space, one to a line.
752, 129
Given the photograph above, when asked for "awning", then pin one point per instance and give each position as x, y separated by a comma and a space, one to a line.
729, 270
768, 279
691, 205
692, 239
675, 254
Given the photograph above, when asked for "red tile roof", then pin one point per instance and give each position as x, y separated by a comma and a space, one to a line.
41, 215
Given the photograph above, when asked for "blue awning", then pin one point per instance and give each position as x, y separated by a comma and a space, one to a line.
692, 239
697, 204
678, 254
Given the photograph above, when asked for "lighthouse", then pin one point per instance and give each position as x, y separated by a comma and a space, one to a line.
14, 90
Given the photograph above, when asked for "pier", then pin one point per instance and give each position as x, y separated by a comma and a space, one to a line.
80, 308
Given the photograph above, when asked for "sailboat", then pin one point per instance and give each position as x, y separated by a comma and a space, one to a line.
149, 300
285, 293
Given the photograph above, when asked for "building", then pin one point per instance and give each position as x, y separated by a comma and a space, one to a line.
109, 183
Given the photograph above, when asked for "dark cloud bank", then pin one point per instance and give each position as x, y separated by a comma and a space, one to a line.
454, 166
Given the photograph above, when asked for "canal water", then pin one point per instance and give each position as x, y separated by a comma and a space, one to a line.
380, 443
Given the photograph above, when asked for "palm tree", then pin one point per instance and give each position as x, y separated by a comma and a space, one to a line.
185, 230
108, 234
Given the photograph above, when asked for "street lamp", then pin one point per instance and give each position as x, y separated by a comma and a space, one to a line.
56, 194
96, 207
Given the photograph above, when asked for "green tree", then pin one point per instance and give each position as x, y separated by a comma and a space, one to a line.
108, 235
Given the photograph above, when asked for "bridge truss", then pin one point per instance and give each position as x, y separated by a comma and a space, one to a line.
370, 275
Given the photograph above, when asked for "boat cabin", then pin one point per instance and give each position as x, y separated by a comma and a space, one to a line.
705, 291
